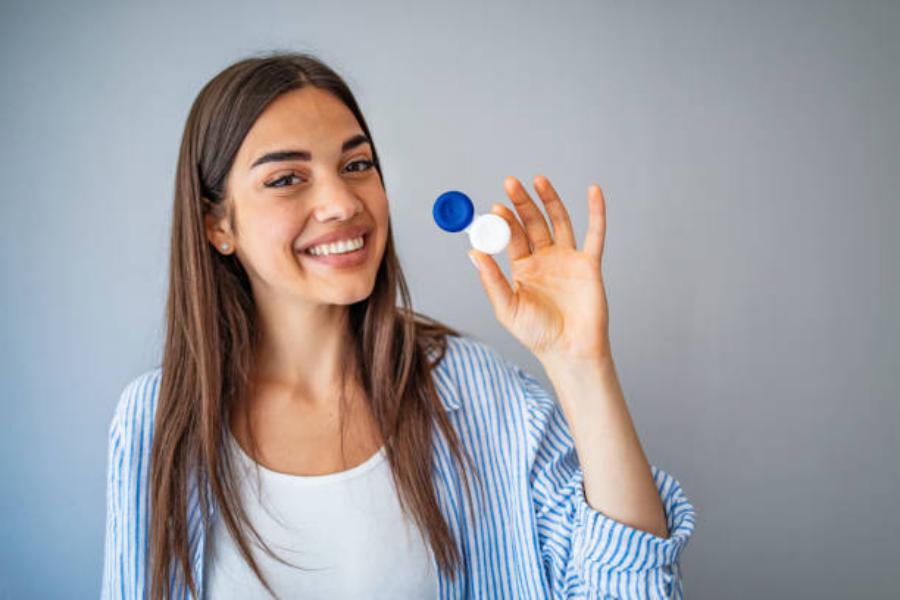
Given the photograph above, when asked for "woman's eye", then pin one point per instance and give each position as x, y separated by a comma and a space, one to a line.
357, 166
276, 182
367, 164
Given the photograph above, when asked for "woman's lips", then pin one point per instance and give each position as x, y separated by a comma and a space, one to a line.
347, 259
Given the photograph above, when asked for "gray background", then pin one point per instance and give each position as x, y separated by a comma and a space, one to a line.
749, 155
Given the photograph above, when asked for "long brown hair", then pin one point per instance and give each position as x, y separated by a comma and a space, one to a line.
211, 334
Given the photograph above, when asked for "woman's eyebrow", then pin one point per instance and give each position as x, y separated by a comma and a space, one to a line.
282, 155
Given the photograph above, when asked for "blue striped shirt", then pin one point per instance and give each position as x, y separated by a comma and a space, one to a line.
531, 534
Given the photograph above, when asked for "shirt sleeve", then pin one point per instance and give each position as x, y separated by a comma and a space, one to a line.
122, 552
113, 549
585, 553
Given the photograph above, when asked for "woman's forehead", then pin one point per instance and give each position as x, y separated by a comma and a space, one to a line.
307, 120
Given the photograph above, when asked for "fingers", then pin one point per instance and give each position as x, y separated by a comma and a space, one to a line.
559, 216
518, 241
535, 225
498, 290
596, 233
536, 234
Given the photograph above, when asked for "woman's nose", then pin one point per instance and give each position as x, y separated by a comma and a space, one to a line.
336, 201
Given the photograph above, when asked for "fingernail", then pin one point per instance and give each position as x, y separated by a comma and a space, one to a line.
474, 262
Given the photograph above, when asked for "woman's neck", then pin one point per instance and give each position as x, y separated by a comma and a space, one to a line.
306, 353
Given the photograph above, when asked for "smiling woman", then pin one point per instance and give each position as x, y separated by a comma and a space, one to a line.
286, 353
283, 334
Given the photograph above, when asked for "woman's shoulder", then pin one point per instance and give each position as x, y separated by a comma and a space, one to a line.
136, 406
474, 354
477, 370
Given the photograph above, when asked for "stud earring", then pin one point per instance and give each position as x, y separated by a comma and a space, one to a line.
225, 247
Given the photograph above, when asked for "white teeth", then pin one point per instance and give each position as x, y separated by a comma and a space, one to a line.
340, 247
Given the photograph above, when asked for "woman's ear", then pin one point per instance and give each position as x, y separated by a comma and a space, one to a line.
216, 224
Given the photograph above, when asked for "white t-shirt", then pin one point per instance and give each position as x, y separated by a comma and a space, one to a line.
347, 525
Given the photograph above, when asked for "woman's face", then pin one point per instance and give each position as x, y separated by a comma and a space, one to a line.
305, 170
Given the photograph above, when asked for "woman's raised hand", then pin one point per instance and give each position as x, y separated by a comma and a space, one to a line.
557, 305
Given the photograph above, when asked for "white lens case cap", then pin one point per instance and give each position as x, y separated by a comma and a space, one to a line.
489, 233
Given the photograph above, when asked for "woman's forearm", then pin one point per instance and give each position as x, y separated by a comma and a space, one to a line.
617, 477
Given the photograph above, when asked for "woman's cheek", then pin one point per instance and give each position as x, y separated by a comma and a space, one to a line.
280, 229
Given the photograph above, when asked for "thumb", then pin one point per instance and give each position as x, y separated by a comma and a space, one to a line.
494, 282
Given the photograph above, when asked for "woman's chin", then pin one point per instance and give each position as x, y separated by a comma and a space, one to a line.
345, 295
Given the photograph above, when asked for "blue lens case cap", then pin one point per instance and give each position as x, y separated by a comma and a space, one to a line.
453, 211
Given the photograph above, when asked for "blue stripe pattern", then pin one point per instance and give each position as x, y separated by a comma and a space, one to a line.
529, 532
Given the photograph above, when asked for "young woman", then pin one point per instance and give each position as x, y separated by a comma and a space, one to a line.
307, 437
